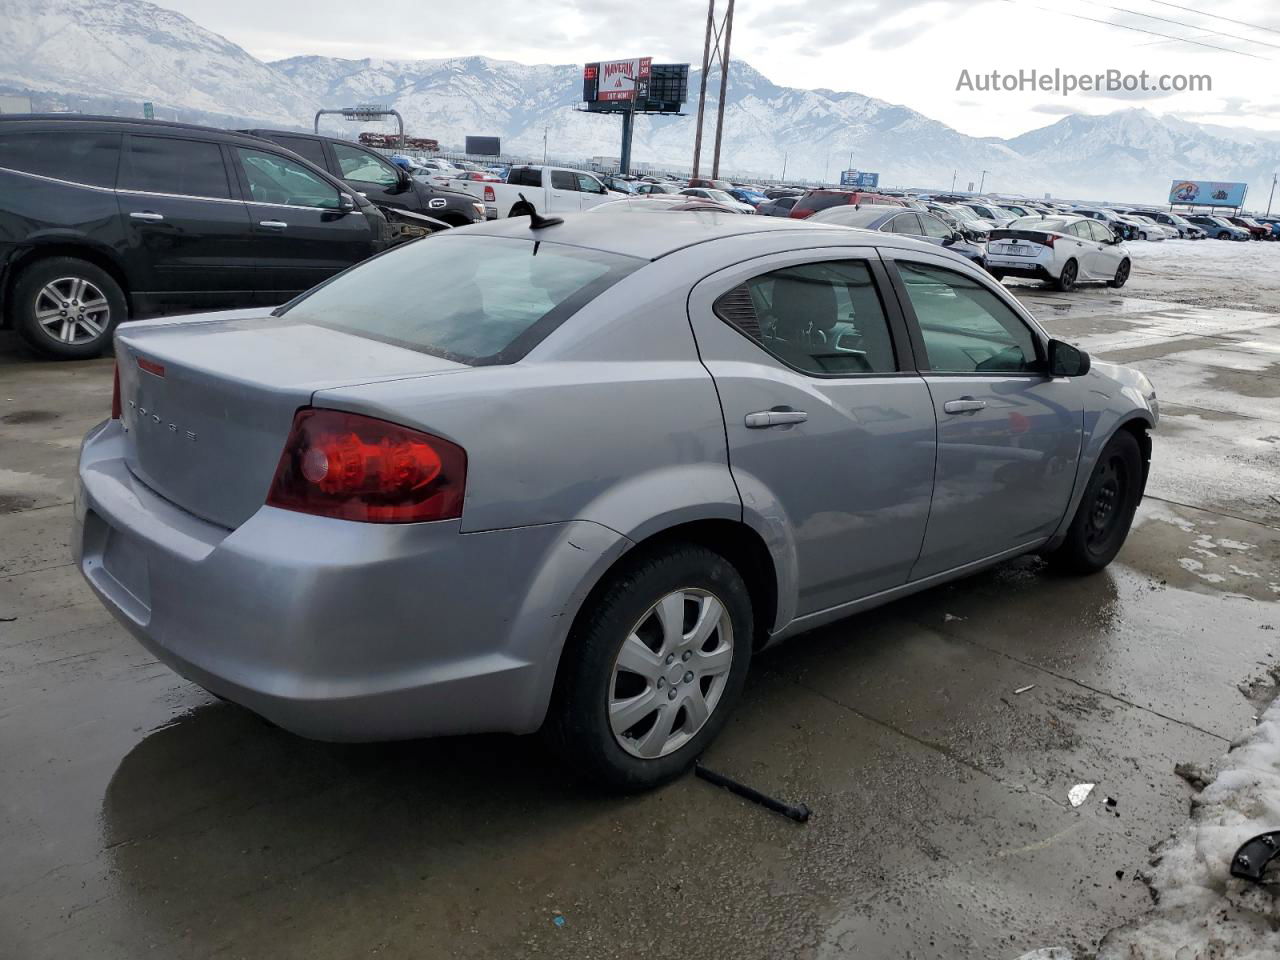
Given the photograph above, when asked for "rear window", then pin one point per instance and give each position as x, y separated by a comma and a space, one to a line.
189, 168
312, 150
502, 296
820, 201
76, 157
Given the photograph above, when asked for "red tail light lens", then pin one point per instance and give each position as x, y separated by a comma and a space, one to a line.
353, 467
489, 195
1048, 240
116, 407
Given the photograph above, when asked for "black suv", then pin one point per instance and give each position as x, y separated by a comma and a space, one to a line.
103, 219
376, 177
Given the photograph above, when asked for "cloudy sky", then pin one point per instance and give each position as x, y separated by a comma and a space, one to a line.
905, 51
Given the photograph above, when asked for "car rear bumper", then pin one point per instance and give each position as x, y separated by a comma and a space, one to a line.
332, 629
1029, 267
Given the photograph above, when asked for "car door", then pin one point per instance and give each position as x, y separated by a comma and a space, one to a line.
591, 192
1008, 435
188, 241
305, 229
1107, 251
830, 430
1079, 245
563, 192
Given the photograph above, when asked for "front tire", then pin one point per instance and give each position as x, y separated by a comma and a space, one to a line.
66, 308
652, 668
1102, 521
1067, 279
1121, 277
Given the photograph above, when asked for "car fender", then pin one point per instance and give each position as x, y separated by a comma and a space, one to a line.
1115, 396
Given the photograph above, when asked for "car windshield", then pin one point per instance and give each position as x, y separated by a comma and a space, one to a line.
504, 295
719, 196
964, 213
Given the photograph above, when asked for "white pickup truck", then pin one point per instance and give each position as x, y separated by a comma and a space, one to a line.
549, 189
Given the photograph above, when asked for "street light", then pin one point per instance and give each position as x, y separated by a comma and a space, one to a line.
984, 180
1273, 193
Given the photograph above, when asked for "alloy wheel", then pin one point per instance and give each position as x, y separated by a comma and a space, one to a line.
670, 673
72, 310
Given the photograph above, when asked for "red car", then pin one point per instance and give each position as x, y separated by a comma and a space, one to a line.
816, 200
1256, 230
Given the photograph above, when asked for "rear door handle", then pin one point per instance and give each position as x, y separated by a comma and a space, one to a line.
774, 418
147, 215
964, 405
272, 224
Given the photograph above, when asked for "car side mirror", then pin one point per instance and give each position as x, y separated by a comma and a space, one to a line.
1066, 360
346, 204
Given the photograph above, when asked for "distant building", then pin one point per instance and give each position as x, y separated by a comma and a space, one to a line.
15, 103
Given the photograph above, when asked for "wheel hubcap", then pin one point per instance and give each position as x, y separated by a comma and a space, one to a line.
670, 673
72, 310
1106, 501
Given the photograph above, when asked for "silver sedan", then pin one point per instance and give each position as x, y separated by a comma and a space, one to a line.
573, 475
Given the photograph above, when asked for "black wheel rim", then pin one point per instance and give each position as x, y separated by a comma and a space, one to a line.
1107, 508
1068, 274
1123, 273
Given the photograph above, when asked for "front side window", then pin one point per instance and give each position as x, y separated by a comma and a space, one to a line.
273, 179
364, 167
188, 168
525, 177
589, 184
503, 296
89, 158
933, 227
907, 223
966, 328
820, 318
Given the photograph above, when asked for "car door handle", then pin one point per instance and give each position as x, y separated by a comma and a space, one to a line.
272, 224
964, 405
147, 215
774, 418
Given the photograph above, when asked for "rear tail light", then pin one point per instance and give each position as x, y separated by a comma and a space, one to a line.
352, 467
116, 407
489, 195
1048, 239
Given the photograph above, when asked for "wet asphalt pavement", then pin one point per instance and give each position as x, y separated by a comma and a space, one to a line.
141, 817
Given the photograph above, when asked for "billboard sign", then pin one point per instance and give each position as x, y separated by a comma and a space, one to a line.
1210, 193
615, 80
859, 178
484, 146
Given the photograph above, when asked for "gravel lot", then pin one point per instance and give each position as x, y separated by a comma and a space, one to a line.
140, 816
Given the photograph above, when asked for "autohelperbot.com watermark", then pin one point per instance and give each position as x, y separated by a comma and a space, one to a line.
1066, 83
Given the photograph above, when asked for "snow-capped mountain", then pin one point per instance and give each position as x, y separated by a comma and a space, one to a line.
111, 55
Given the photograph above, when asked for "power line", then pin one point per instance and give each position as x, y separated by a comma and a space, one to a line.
1150, 33
1181, 23
1216, 16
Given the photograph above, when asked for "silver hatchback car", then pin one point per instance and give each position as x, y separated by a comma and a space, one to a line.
572, 476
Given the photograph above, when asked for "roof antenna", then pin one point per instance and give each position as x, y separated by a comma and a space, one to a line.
536, 220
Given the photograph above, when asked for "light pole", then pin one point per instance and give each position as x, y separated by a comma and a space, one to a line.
984, 180
954, 174
784, 167
545, 131
1273, 193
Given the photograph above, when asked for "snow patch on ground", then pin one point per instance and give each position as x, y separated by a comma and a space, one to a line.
1203, 913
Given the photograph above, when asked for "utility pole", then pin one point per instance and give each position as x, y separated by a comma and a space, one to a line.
715, 32
783, 178
545, 131
984, 180
954, 174
1273, 193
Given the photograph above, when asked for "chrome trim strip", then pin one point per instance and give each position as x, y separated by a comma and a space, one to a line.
69, 183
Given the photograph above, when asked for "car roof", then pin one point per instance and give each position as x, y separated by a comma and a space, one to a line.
126, 123
651, 238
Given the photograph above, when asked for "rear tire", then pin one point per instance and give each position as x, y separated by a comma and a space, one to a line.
1102, 520
596, 693
67, 308
1066, 281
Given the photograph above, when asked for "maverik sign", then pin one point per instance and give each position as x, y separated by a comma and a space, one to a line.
1207, 193
617, 80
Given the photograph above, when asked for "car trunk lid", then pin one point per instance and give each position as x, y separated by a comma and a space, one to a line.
207, 404
1019, 243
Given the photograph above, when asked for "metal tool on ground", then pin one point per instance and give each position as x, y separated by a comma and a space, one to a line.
798, 812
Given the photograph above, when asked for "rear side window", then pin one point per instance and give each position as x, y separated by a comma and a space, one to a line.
503, 296
359, 165
89, 158
563, 180
188, 168
820, 318
312, 150
525, 177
